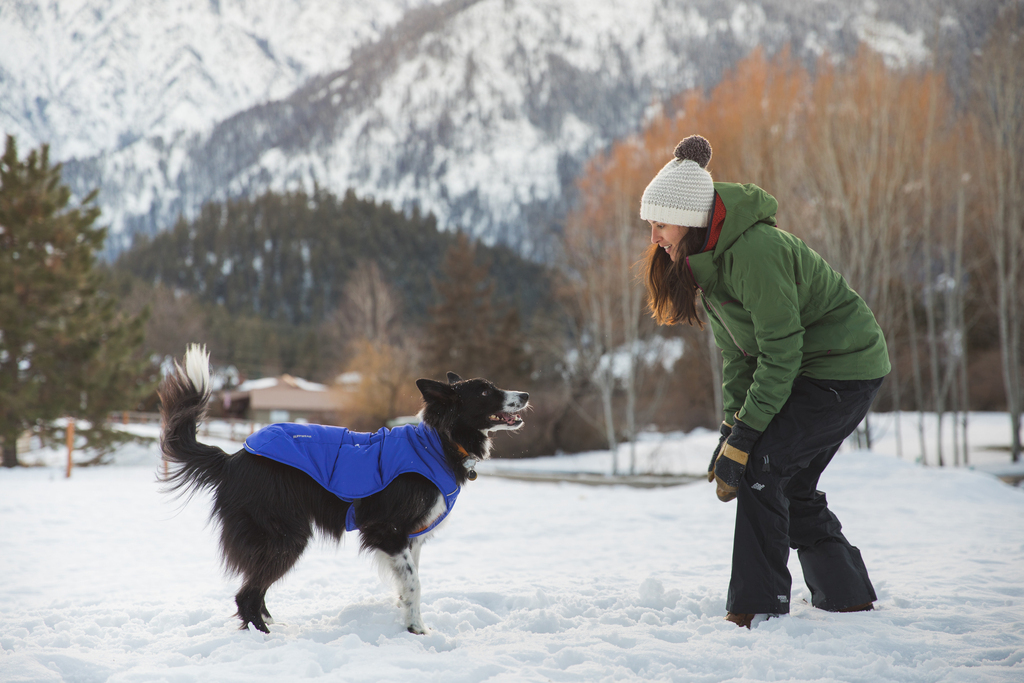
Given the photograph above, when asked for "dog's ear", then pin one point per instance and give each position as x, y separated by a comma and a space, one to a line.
453, 378
435, 391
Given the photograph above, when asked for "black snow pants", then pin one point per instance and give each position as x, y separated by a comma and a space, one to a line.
779, 506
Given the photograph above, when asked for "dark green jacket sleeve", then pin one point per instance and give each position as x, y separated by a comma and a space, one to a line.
737, 376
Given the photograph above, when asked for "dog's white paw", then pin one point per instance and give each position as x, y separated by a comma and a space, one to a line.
418, 628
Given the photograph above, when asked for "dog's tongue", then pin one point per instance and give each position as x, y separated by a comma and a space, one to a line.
509, 418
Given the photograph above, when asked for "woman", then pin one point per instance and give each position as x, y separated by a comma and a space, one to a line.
803, 360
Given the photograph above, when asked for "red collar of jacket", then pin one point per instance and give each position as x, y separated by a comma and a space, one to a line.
717, 220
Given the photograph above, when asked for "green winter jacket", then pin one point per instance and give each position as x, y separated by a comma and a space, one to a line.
778, 310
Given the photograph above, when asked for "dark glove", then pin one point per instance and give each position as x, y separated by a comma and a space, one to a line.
732, 462
725, 430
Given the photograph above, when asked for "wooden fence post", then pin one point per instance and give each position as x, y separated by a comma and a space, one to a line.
70, 431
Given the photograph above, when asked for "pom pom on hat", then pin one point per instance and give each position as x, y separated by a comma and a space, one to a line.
694, 148
682, 193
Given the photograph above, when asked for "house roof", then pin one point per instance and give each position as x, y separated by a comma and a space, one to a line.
286, 380
285, 393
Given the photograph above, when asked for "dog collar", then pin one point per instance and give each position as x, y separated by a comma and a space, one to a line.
471, 474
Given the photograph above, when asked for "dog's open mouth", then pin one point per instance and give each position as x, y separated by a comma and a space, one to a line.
509, 419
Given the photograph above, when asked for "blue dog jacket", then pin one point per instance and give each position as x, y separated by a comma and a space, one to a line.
354, 465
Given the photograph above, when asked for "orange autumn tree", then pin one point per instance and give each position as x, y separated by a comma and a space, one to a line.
884, 175
602, 239
751, 118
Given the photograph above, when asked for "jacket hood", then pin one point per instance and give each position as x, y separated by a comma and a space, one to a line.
745, 206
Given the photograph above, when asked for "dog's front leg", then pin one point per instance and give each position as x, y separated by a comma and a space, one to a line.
414, 547
405, 568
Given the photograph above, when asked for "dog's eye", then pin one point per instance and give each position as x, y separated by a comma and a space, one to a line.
485, 392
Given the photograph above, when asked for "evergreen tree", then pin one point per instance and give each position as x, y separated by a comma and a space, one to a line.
64, 349
469, 332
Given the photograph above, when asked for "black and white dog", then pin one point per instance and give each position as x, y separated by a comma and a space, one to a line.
289, 479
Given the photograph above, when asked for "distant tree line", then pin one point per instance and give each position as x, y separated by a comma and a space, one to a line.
272, 272
287, 257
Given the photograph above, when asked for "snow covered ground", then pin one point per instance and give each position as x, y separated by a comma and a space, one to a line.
679, 453
103, 578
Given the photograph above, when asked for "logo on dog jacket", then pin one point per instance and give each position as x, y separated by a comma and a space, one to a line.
354, 465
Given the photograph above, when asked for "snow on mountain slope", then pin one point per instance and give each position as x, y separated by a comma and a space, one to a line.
480, 111
87, 76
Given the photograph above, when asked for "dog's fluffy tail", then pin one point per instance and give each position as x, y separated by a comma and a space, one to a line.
183, 398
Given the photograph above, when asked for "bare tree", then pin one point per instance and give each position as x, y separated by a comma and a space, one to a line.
370, 305
943, 291
860, 158
591, 332
961, 300
999, 134
593, 252
603, 241
386, 358
386, 387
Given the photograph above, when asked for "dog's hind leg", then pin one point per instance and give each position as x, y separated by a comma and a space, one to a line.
252, 597
404, 568
264, 612
252, 606
262, 552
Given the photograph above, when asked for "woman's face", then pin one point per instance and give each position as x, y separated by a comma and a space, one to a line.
669, 237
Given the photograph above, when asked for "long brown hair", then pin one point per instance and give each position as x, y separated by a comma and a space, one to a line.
671, 288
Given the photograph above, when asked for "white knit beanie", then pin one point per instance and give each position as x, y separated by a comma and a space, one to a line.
682, 193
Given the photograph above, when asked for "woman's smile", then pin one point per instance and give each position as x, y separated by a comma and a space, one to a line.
668, 237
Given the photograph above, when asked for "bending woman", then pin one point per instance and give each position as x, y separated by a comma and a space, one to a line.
803, 360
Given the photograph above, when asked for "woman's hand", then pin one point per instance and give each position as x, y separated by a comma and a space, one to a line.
732, 461
725, 430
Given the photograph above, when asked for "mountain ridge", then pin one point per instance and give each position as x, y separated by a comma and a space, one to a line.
483, 111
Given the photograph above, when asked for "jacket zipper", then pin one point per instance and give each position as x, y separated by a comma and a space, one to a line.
711, 307
714, 311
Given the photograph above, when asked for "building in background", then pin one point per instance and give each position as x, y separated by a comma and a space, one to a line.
284, 399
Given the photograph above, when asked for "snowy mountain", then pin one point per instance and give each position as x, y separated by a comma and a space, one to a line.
480, 111
92, 76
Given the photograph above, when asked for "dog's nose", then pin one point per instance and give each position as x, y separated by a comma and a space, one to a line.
523, 396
